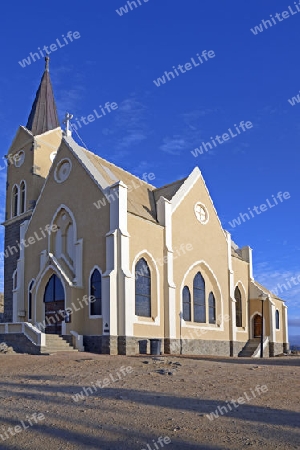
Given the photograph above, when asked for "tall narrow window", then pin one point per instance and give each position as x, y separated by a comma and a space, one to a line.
199, 299
70, 242
95, 291
277, 319
30, 300
63, 241
142, 289
22, 197
212, 308
15, 201
186, 304
15, 280
238, 307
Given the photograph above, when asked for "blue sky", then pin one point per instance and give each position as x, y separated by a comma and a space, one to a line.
155, 129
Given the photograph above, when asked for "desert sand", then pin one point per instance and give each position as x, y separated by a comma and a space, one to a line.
145, 398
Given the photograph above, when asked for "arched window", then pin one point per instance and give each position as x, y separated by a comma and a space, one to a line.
30, 300
212, 308
54, 299
15, 201
95, 291
63, 240
142, 289
238, 307
277, 319
186, 304
54, 291
199, 299
22, 197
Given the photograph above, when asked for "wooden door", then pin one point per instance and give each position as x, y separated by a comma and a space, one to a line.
54, 316
257, 323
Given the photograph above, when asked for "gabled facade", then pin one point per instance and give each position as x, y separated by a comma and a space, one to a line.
113, 259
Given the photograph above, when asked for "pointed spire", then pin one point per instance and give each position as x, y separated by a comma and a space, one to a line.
43, 116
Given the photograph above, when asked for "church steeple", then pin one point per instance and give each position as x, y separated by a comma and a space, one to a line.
43, 116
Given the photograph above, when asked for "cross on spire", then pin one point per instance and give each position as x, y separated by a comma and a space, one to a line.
68, 118
47, 61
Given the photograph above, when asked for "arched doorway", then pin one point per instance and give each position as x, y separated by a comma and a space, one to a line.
54, 298
257, 325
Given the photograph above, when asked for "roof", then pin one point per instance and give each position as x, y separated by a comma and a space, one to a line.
169, 190
43, 116
142, 196
256, 289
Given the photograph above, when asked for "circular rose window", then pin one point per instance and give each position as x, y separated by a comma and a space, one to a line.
62, 170
201, 213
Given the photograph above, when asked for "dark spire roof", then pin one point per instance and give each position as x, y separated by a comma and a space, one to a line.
43, 115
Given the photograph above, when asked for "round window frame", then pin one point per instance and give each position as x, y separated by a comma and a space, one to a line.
203, 222
58, 167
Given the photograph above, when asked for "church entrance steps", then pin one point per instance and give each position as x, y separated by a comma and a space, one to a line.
250, 348
55, 343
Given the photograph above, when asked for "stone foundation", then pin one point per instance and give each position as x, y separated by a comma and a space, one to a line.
276, 348
134, 346
127, 345
12, 235
109, 345
236, 347
92, 344
20, 343
196, 347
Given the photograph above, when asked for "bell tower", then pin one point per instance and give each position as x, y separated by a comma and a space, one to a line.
28, 163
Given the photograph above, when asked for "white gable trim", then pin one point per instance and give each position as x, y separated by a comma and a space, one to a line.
86, 163
185, 188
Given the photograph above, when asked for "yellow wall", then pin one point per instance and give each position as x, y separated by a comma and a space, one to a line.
209, 245
92, 226
146, 235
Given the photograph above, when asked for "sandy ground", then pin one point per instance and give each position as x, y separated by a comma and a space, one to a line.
167, 397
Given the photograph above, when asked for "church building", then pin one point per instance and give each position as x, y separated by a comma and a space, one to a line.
104, 261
